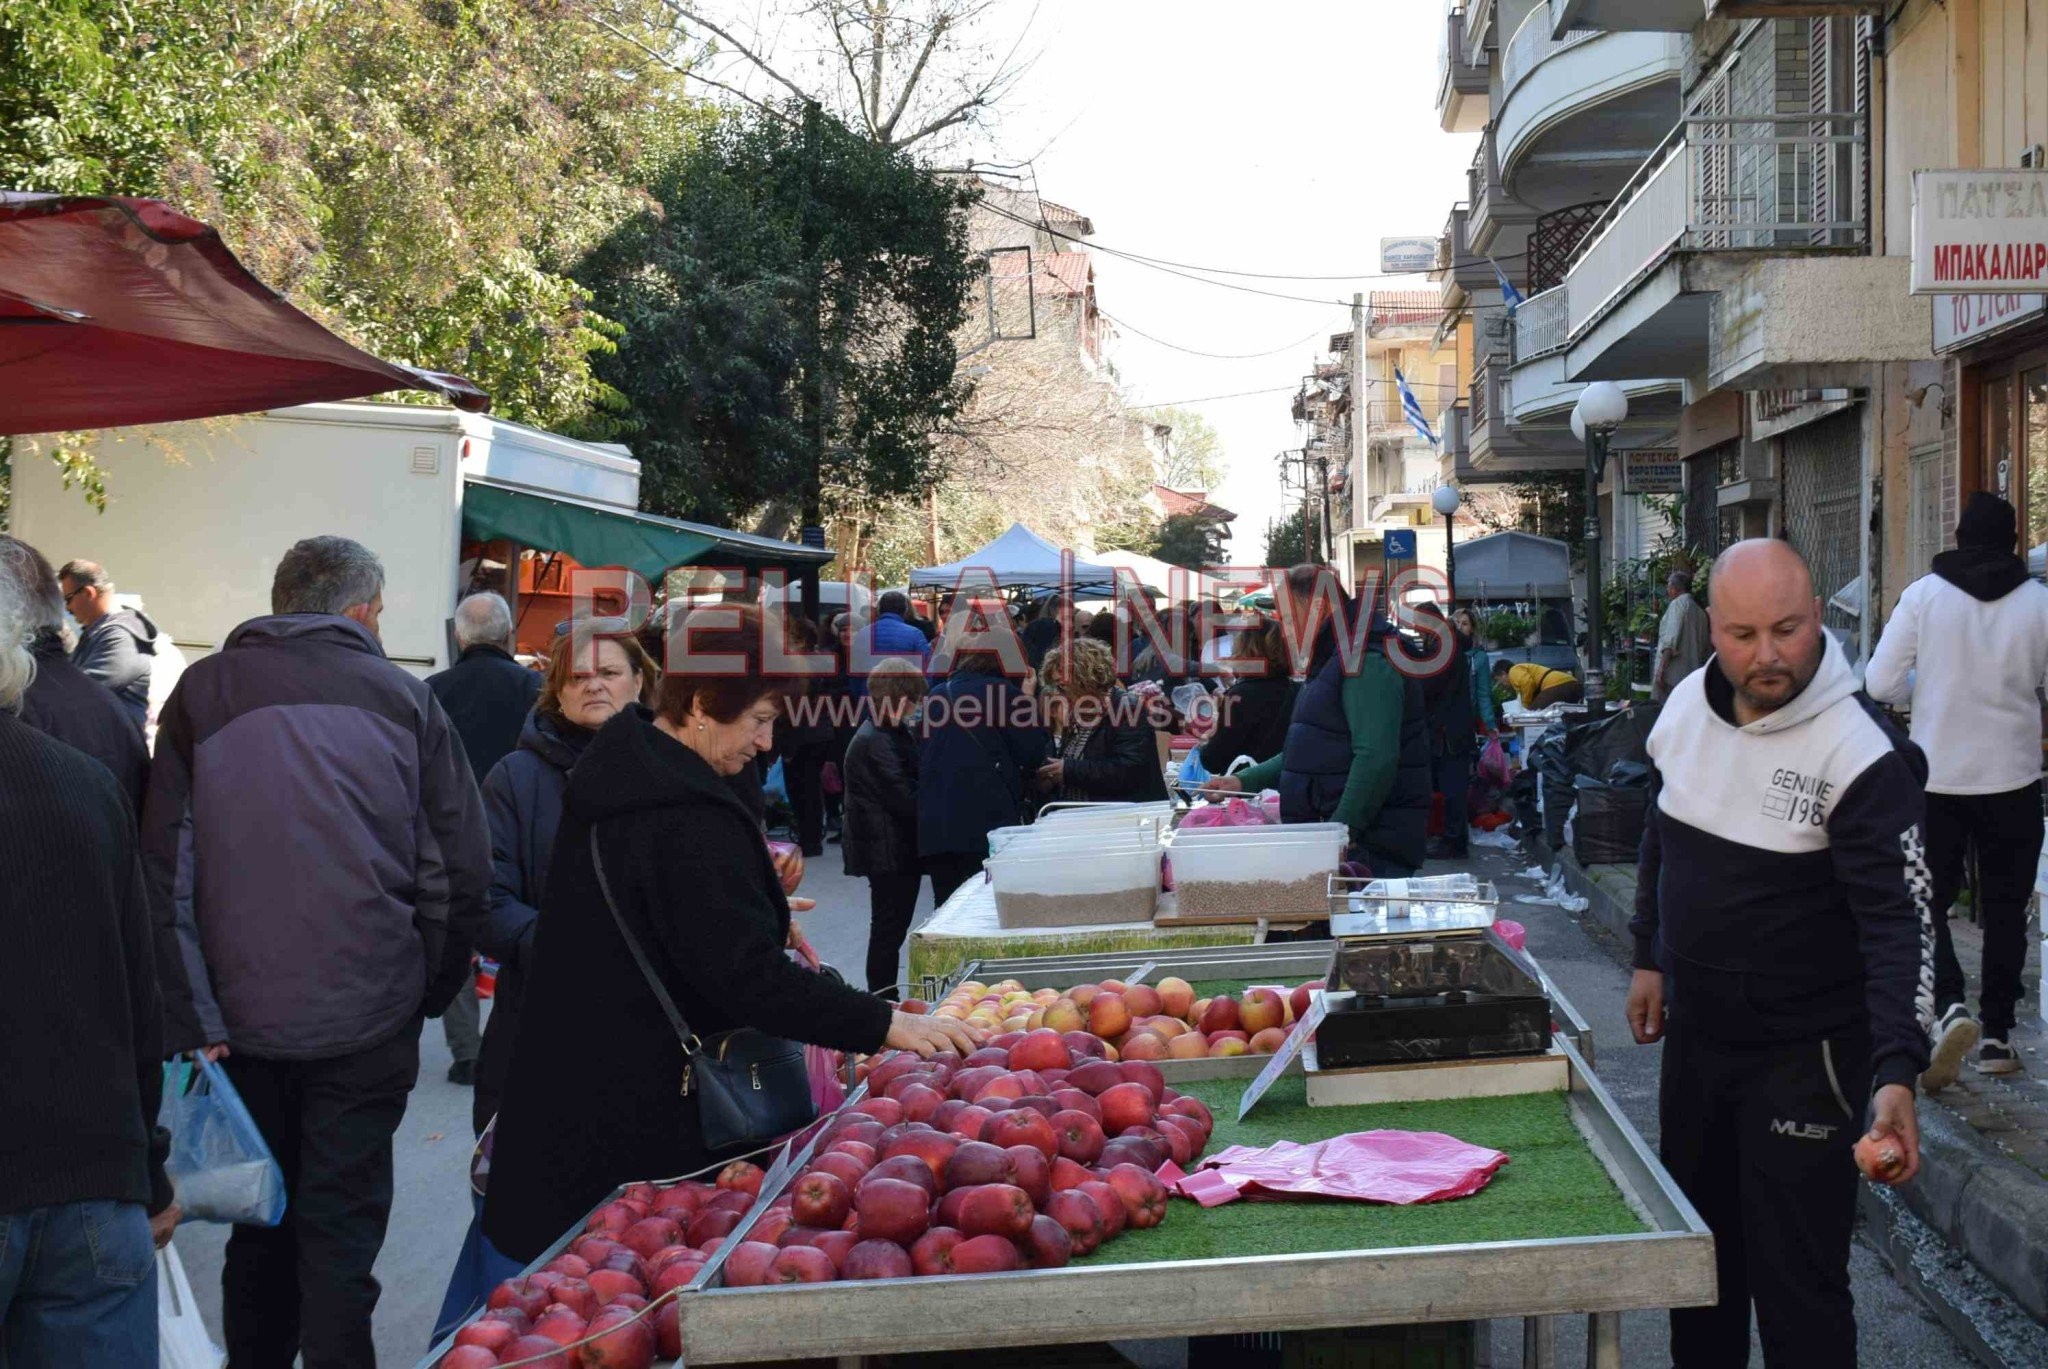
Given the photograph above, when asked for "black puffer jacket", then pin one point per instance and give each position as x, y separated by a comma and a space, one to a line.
880, 834
1119, 763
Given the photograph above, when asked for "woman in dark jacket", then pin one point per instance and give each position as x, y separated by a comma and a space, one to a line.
595, 1094
1108, 751
1253, 715
523, 801
880, 839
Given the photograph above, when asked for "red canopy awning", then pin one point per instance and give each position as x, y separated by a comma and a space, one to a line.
119, 311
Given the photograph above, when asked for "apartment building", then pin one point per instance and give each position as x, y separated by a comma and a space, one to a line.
1748, 278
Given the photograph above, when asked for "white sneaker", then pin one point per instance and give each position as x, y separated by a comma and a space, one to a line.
1997, 1057
1955, 1035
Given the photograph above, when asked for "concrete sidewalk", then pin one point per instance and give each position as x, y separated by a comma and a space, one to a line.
1983, 1187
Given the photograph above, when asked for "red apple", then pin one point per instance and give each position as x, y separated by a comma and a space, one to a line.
1083, 994
668, 1331
1095, 1077
1083, 1043
864, 1129
1108, 1017
678, 1274
908, 1168
1079, 1136
859, 1150
568, 1265
1034, 1173
822, 1199
801, 1264
1146, 1152
996, 1210
1112, 1206
969, 1121
493, 1336
986, 1255
469, 1356
1004, 1086
619, 1341
1188, 1128
1267, 1040
1260, 1009
732, 1200
1192, 1046
846, 1168
560, 1324
1220, 1015
1191, 1107
1226, 1044
892, 1210
577, 1295
990, 1054
1039, 1050
971, 1081
947, 1213
1144, 1197
527, 1292
1073, 1100
1036, 1102
942, 1116
741, 1176
650, 1234
979, 1162
878, 1260
747, 1266
887, 1111
537, 1352
609, 1283
511, 1316
835, 1244
707, 1225
1126, 1105
1176, 997
1022, 1127
1069, 1174
1047, 1243
920, 1101
1077, 1212
772, 1225
932, 1253
678, 1202
1145, 1045
1300, 998
934, 1148
612, 1218
592, 1249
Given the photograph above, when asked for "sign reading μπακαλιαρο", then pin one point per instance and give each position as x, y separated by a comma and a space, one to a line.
1981, 232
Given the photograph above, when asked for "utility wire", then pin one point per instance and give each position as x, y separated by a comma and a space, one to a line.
1215, 356
1370, 382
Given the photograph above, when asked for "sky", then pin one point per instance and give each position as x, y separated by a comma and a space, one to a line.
1285, 137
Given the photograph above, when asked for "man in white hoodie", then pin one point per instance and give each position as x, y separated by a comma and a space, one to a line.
1967, 650
1781, 950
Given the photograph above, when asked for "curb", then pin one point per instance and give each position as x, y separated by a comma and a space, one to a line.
1967, 1194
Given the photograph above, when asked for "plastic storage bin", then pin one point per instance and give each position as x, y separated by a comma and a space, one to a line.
1038, 887
1256, 871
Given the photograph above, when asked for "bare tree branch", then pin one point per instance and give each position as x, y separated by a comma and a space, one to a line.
931, 42
852, 72
690, 15
673, 65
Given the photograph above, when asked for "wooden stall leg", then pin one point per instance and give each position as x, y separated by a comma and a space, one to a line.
1603, 1340
1539, 1343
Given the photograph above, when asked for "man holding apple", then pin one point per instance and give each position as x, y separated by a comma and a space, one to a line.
1784, 955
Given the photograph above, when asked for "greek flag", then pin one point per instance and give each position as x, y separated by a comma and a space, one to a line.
1410, 407
1508, 292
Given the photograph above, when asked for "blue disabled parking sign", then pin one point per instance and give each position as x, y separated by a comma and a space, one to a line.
1400, 544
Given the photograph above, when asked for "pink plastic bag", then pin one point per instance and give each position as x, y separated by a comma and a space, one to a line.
824, 1066
1514, 933
1396, 1167
1235, 812
1493, 764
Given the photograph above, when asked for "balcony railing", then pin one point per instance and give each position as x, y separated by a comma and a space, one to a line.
1480, 16
1532, 46
1542, 324
1485, 395
1647, 220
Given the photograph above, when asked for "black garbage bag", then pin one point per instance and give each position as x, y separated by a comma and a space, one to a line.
1593, 748
1607, 828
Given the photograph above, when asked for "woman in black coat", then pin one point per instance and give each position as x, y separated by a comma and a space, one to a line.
1108, 747
594, 1098
880, 838
1254, 713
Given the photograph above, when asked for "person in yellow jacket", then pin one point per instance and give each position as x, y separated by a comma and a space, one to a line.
1538, 686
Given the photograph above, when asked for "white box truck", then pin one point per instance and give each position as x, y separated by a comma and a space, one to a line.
198, 514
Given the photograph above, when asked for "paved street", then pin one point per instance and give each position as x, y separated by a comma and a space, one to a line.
432, 1210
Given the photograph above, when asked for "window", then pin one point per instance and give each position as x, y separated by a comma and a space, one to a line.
1923, 512
2033, 438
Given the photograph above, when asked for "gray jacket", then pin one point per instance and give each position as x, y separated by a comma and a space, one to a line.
119, 651
316, 851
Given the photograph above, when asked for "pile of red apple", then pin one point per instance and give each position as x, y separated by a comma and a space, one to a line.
954, 1168
637, 1247
1136, 1021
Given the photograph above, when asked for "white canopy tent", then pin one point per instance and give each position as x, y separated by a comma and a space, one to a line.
1172, 579
1020, 558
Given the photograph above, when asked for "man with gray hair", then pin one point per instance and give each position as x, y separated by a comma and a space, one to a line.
63, 700
1682, 638
487, 696
318, 866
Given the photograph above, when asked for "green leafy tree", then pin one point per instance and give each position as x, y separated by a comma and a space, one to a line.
1188, 539
759, 230
1291, 540
1194, 452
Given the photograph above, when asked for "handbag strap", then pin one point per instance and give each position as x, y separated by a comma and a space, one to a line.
688, 1038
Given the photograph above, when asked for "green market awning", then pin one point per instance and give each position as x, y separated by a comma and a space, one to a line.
599, 535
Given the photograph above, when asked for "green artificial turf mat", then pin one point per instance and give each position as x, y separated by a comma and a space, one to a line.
1552, 1185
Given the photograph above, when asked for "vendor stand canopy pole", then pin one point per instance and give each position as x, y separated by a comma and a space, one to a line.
118, 311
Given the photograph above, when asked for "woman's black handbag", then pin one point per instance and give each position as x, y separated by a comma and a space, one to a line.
751, 1088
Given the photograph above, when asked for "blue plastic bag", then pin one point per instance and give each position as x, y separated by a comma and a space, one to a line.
1192, 771
773, 784
219, 1163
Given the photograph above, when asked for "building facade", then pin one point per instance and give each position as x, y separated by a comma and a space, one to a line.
1746, 278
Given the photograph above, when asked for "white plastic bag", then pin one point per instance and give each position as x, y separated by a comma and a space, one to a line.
182, 1339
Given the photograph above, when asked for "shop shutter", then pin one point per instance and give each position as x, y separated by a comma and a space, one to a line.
1923, 512
1823, 465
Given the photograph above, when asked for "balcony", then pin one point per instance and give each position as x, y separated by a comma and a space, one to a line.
1616, 16
1493, 212
1463, 83
1582, 100
1457, 265
1542, 324
1782, 9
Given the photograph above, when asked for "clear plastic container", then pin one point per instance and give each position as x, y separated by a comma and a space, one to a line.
1035, 888
1256, 871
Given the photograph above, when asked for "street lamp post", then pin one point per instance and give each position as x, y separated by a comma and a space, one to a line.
1445, 501
1601, 409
